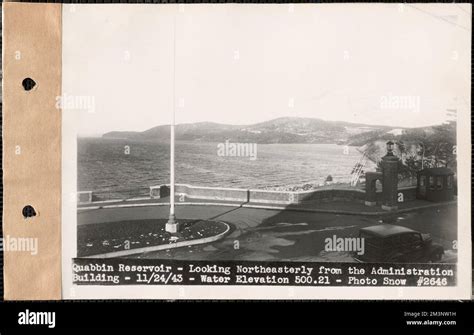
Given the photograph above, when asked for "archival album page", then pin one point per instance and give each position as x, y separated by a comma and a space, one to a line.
266, 151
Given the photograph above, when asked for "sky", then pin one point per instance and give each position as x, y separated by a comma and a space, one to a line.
385, 64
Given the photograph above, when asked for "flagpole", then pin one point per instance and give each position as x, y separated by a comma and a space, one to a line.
172, 225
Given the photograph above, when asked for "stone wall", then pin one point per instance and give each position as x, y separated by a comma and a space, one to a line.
259, 196
408, 194
188, 192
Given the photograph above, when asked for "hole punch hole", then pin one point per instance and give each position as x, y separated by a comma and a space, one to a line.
28, 212
28, 84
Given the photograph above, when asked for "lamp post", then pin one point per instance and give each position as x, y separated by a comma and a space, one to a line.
390, 179
172, 225
390, 146
422, 156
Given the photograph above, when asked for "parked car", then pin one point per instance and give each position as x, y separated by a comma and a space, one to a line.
387, 243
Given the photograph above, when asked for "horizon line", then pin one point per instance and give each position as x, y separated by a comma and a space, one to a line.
243, 125
252, 124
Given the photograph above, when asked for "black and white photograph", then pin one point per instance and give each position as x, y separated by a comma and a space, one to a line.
176, 165
266, 151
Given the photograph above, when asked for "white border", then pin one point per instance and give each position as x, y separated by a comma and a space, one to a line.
69, 224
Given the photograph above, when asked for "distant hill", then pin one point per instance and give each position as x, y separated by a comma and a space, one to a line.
280, 130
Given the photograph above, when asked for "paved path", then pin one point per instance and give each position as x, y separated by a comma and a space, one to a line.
334, 207
270, 234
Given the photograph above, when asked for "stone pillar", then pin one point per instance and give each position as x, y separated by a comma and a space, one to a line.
370, 187
390, 182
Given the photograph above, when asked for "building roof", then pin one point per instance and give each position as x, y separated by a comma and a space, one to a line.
385, 230
439, 171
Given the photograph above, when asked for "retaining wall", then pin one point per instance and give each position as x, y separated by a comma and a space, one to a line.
272, 197
186, 192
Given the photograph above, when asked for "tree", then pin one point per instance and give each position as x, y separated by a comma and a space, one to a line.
426, 147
